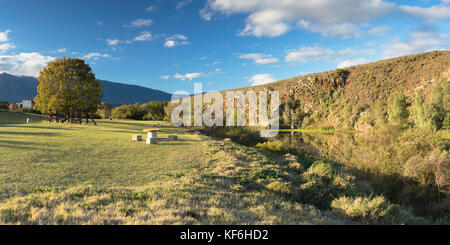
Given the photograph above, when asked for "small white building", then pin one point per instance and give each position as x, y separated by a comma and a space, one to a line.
25, 104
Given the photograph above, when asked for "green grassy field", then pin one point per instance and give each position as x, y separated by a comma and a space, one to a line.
84, 174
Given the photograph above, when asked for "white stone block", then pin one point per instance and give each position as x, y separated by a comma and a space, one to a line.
152, 135
136, 137
152, 141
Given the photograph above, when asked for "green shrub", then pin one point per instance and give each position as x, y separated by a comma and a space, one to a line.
397, 109
446, 122
155, 110
296, 166
4, 105
362, 208
320, 169
277, 147
281, 187
425, 116
260, 173
135, 112
242, 135
104, 110
341, 73
325, 181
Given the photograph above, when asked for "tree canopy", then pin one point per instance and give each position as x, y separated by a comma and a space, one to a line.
68, 86
397, 109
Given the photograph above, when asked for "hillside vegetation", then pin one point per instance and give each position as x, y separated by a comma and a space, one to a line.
400, 110
340, 99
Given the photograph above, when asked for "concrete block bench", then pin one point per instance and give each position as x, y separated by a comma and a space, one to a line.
137, 137
152, 135
173, 137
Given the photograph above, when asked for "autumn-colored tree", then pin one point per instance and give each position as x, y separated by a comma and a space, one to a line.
68, 86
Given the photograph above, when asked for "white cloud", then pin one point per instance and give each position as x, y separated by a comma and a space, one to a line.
4, 36
26, 64
183, 3
62, 50
436, 12
188, 76
150, 9
344, 30
260, 58
5, 47
214, 63
215, 72
177, 36
112, 42
348, 63
96, 56
99, 23
274, 18
417, 42
140, 23
205, 14
144, 36
169, 44
165, 77
175, 40
260, 79
379, 30
307, 54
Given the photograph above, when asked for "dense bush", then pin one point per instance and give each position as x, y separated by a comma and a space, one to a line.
154, 110
135, 112
104, 110
4, 105
398, 109
325, 181
242, 135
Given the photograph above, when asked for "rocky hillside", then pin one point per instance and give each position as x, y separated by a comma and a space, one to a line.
325, 97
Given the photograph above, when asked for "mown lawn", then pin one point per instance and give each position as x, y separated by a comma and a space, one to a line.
84, 174
61, 155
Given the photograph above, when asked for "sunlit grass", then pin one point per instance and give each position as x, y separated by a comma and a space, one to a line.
84, 174
64, 155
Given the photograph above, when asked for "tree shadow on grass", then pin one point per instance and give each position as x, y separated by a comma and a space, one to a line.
35, 127
15, 146
28, 133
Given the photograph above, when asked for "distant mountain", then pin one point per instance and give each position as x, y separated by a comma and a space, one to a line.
16, 88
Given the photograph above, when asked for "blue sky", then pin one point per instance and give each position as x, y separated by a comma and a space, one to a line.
171, 44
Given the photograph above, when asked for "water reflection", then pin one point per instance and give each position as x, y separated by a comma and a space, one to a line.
337, 146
